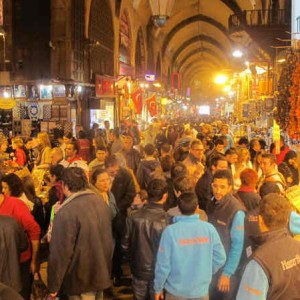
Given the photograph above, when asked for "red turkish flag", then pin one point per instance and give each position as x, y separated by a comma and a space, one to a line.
151, 105
137, 98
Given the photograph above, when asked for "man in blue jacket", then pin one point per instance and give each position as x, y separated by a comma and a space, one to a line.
227, 215
190, 252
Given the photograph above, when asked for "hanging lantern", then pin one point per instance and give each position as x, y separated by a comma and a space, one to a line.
161, 11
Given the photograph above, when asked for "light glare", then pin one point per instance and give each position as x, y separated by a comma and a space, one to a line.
221, 79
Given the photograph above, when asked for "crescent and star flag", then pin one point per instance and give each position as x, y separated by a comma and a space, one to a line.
137, 98
151, 105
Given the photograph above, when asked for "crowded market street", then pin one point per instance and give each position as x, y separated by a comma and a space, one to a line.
149, 149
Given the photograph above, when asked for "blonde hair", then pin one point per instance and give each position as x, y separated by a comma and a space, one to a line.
242, 152
44, 138
18, 141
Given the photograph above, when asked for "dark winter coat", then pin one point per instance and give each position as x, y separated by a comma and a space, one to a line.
123, 189
203, 189
146, 171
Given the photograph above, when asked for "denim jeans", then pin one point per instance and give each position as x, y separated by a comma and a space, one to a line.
88, 296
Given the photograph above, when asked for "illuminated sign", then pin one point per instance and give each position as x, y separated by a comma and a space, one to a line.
150, 77
204, 110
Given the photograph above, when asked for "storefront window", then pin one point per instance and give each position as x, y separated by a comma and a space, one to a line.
106, 113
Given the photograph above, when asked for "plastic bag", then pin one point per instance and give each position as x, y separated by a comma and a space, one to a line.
39, 288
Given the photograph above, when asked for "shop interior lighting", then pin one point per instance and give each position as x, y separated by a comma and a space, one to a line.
282, 60
260, 70
157, 84
6, 94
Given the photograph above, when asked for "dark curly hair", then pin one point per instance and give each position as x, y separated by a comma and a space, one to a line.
156, 189
14, 183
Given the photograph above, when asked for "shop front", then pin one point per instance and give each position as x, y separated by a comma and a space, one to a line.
103, 107
30, 108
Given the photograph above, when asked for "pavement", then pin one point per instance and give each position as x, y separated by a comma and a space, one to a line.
123, 291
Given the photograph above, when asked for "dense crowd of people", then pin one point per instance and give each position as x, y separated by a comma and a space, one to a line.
197, 212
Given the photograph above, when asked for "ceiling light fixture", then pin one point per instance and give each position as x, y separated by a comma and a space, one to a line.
161, 11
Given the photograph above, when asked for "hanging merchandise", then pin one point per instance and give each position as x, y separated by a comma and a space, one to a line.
285, 82
294, 104
33, 111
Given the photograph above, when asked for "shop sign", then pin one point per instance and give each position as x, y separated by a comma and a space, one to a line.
150, 77
104, 86
7, 103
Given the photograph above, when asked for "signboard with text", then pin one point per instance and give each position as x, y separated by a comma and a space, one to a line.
150, 77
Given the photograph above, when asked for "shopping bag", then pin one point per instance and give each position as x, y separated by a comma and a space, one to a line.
39, 288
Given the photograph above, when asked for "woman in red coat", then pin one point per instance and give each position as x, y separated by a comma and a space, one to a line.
17, 145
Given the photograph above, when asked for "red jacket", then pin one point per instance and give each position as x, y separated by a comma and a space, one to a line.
280, 156
17, 209
20, 157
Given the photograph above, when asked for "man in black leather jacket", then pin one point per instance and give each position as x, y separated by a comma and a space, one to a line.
142, 236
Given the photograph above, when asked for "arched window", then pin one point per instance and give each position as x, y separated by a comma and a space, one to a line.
140, 55
77, 40
125, 46
101, 42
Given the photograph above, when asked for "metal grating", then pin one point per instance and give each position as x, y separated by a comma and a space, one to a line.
78, 40
101, 38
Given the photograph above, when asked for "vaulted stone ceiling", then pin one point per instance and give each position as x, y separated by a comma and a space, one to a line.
196, 41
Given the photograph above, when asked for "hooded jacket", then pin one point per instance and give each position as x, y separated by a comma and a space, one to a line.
146, 171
